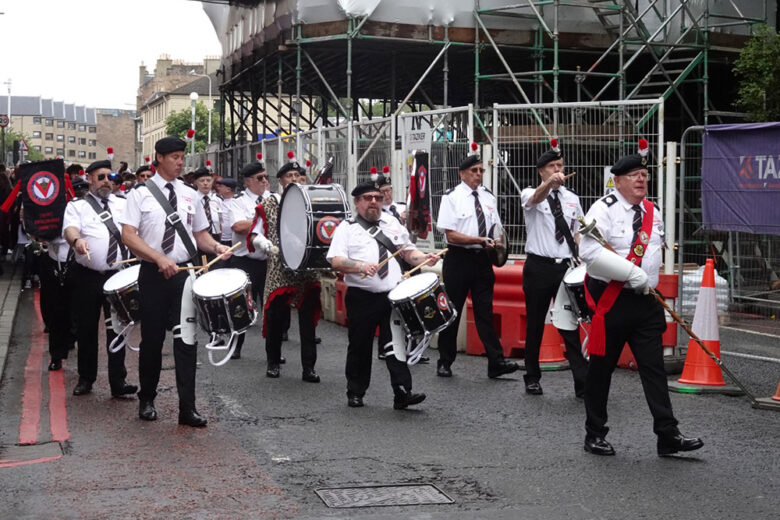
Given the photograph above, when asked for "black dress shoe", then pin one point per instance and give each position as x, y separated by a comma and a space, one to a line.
310, 376
146, 411
236, 354
401, 401
123, 389
317, 340
671, 445
501, 368
282, 360
55, 364
534, 388
272, 370
82, 387
192, 418
443, 371
598, 446
424, 360
354, 401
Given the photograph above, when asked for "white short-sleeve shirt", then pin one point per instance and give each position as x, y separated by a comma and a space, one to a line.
457, 212
540, 223
79, 214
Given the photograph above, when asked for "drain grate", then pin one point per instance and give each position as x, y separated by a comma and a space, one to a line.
387, 495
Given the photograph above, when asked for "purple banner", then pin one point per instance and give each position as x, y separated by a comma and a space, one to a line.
740, 178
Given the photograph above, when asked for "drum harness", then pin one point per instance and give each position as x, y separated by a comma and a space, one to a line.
376, 233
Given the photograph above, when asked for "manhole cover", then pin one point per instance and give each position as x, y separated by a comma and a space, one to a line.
376, 496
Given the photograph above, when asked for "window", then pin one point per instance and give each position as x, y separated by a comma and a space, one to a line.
82, 141
92, 155
71, 153
71, 126
92, 142
60, 124
37, 134
49, 122
92, 129
50, 137
48, 149
36, 120
60, 151
60, 138
37, 148
82, 128
82, 154
71, 139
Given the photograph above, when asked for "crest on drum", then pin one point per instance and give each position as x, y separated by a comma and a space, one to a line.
441, 301
326, 227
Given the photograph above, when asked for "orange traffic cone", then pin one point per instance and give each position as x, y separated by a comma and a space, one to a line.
551, 352
700, 373
769, 403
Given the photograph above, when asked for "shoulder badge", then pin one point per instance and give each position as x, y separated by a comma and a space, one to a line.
609, 200
449, 191
121, 196
486, 189
138, 185
351, 220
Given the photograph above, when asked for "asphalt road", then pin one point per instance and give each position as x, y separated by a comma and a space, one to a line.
495, 451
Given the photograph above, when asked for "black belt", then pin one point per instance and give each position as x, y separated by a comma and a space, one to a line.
108, 272
547, 259
469, 250
180, 264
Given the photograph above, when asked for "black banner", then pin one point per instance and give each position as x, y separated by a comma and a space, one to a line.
43, 197
419, 211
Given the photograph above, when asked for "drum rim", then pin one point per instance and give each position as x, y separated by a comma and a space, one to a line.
224, 271
416, 279
122, 273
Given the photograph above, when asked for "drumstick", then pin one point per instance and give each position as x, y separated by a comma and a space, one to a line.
572, 174
188, 267
408, 273
218, 258
125, 261
89, 258
383, 262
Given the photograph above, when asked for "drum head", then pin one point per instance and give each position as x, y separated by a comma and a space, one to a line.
293, 226
219, 283
122, 279
414, 286
575, 276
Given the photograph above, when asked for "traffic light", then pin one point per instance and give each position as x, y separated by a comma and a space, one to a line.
16, 151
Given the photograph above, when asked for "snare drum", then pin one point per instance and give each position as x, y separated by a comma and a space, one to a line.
422, 304
121, 291
574, 282
308, 217
224, 302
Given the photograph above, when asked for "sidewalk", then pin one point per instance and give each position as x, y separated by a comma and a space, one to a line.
10, 287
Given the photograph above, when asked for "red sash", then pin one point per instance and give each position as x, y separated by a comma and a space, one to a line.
259, 214
597, 338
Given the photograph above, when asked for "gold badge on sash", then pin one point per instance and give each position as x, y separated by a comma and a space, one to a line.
639, 250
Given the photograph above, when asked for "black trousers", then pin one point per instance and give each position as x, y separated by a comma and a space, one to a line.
638, 320
161, 310
365, 311
541, 280
467, 270
55, 311
278, 321
256, 270
89, 300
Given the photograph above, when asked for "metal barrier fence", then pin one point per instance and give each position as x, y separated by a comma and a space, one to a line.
749, 263
592, 136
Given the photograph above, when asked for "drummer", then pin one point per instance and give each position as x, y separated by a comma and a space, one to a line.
97, 244
354, 252
285, 287
550, 211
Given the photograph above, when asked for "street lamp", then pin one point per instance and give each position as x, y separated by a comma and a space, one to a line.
193, 73
194, 99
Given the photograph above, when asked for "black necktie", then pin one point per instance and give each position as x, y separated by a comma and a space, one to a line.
112, 243
556, 211
170, 233
480, 215
383, 269
207, 207
395, 212
637, 224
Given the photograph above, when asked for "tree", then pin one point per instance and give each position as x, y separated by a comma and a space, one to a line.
179, 122
758, 71
12, 135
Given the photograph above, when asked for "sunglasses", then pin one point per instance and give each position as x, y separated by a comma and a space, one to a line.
260, 177
475, 170
377, 198
102, 176
143, 176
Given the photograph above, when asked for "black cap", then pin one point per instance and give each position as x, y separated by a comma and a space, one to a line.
292, 165
469, 161
79, 183
144, 168
98, 164
629, 163
251, 169
365, 187
169, 145
227, 181
547, 157
201, 172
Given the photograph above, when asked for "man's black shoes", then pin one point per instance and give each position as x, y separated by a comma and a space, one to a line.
443, 370
598, 445
192, 418
354, 401
310, 376
82, 387
272, 370
402, 400
669, 445
146, 411
122, 390
55, 364
534, 388
501, 368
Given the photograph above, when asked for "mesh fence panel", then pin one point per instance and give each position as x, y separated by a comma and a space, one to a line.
335, 144
364, 133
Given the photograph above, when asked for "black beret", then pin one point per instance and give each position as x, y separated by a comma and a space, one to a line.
144, 168
98, 164
383, 181
169, 145
201, 172
548, 157
251, 169
79, 183
292, 165
227, 181
365, 187
629, 163
469, 161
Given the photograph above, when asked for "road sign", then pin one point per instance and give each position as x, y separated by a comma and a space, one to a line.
23, 146
4, 120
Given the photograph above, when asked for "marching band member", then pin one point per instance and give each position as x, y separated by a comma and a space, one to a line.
551, 212
355, 252
212, 205
466, 214
226, 188
617, 288
396, 209
284, 287
162, 234
90, 228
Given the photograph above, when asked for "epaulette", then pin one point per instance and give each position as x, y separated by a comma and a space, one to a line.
352, 220
609, 200
488, 190
120, 196
656, 207
138, 185
239, 195
449, 191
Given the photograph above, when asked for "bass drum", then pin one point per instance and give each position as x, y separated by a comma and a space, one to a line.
308, 217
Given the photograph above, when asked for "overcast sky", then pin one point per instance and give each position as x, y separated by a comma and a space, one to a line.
88, 51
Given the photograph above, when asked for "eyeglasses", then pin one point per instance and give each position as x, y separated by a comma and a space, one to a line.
102, 176
377, 198
260, 177
634, 176
142, 176
475, 170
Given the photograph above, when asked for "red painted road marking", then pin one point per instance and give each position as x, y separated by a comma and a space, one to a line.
31, 394
58, 413
14, 463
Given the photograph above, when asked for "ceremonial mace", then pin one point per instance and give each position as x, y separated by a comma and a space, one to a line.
591, 230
